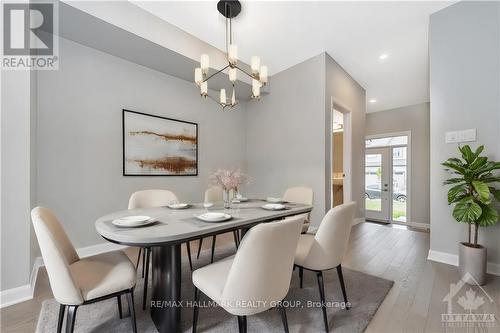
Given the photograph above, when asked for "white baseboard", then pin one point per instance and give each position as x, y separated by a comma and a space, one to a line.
24, 293
452, 259
358, 220
419, 225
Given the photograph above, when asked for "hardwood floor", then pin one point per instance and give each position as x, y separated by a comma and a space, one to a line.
414, 304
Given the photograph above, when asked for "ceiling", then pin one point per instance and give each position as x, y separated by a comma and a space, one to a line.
355, 34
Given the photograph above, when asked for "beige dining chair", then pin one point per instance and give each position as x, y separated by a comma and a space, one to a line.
215, 195
151, 199
303, 195
326, 249
79, 281
260, 271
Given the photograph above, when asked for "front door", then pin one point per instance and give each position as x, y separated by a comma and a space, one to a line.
377, 189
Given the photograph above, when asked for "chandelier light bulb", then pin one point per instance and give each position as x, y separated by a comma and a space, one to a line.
198, 76
233, 54
223, 96
255, 64
204, 88
233, 98
263, 74
232, 74
204, 63
255, 88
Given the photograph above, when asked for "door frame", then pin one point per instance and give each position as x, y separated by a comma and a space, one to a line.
409, 192
385, 208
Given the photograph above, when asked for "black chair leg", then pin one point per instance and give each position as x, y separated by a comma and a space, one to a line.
242, 324
70, 318
282, 311
301, 275
213, 249
236, 240
196, 309
146, 279
199, 248
322, 296
138, 259
131, 309
62, 310
144, 250
342, 285
119, 299
188, 247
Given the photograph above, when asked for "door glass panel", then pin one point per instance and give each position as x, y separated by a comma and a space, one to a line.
373, 182
399, 183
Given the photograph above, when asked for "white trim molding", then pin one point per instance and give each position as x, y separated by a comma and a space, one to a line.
24, 293
358, 220
452, 259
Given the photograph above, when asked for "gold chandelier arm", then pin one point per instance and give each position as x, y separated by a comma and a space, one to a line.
256, 77
220, 70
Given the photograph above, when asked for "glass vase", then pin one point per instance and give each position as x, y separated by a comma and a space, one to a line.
228, 198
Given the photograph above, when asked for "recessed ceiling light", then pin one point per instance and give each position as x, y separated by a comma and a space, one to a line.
383, 56
373, 101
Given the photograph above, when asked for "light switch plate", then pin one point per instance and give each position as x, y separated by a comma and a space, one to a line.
467, 135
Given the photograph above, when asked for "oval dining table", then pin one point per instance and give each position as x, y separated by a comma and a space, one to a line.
174, 227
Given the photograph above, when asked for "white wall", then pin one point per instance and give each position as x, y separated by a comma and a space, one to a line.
79, 135
464, 89
414, 118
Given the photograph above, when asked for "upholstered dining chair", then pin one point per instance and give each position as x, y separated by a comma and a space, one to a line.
326, 249
79, 281
215, 195
260, 271
151, 199
302, 195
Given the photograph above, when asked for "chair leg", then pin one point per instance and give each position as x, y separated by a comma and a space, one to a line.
146, 279
301, 275
144, 260
196, 309
342, 285
62, 310
242, 324
138, 259
282, 311
131, 309
236, 240
199, 248
70, 318
119, 299
213, 249
322, 296
188, 247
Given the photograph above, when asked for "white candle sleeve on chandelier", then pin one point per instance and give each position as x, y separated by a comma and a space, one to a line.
255, 64
263, 74
233, 98
198, 77
255, 88
223, 96
232, 74
204, 88
233, 54
204, 63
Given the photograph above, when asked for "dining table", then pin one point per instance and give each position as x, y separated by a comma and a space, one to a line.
173, 227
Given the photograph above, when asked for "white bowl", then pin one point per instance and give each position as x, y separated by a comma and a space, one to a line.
214, 217
274, 206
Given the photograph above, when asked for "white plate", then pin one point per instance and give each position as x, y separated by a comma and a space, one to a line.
178, 206
275, 200
237, 200
214, 217
274, 206
133, 221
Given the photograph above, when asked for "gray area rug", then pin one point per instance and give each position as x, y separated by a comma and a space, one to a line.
364, 292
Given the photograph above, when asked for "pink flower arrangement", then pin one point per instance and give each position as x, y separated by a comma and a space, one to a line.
229, 179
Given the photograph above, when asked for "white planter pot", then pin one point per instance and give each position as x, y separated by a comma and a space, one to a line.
472, 260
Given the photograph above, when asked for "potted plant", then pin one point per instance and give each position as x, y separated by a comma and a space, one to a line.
472, 195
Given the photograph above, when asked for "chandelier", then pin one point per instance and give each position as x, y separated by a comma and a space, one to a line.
258, 74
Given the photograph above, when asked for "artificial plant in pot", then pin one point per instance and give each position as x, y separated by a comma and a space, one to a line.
472, 193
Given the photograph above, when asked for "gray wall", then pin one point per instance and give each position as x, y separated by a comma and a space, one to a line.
288, 139
414, 118
79, 135
347, 93
464, 89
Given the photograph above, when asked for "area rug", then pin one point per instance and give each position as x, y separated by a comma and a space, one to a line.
364, 292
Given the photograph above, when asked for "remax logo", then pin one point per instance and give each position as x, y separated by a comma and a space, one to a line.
28, 29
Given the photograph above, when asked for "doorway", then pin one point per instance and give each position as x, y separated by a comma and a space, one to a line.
387, 178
